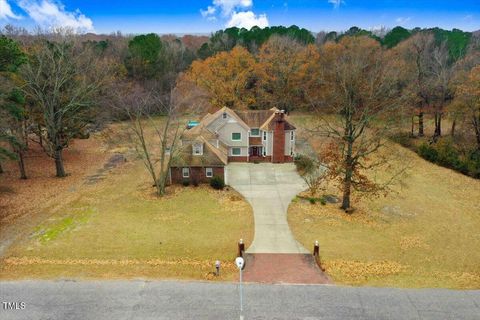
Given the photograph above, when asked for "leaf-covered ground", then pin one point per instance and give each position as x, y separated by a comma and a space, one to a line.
117, 228
423, 234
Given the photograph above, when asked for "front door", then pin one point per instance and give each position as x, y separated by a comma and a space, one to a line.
255, 151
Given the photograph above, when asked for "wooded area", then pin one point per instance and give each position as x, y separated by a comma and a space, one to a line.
364, 87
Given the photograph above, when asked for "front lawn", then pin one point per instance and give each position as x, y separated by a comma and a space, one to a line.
116, 228
425, 234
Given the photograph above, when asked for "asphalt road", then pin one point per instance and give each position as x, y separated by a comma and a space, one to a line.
115, 300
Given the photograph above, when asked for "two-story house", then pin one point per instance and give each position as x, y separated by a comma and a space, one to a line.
232, 136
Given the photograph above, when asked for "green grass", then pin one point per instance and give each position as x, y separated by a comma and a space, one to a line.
119, 229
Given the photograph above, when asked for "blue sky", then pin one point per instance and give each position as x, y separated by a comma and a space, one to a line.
204, 16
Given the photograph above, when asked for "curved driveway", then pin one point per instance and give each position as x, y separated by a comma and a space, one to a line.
269, 188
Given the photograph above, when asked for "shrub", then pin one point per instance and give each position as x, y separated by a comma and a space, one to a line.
217, 183
323, 201
427, 152
195, 182
473, 164
312, 200
447, 155
304, 164
186, 183
405, 139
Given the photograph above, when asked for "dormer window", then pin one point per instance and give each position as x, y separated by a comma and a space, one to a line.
224, 115
255, 132
197, 149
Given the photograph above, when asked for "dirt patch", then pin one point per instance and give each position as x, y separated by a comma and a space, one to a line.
113, 162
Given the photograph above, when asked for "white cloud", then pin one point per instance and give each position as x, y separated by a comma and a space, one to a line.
336, 3
247, 20
228, 6
403, 20
208, 12
235, 13
51, 13
6, 11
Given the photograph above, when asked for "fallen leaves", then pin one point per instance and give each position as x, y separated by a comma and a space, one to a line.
204, 264
412, 242
357, 271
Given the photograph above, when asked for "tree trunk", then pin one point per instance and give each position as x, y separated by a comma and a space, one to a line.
1, 168
347, 186
476, 127
438, 126
21, 165
59, 163
347, 182
454, 124
40, 137
420, 124
412, 134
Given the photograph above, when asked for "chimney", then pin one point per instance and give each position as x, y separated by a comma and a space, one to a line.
278, 155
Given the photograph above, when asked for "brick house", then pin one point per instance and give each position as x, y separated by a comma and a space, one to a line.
232, 136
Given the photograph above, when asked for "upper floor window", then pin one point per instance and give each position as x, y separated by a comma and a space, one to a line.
198, 149
264, 135
236, 136
255, 132
292, 135
224, 115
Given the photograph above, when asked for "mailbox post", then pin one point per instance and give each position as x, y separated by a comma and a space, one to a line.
240, 263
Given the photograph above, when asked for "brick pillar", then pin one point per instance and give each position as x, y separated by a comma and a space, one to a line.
279, 138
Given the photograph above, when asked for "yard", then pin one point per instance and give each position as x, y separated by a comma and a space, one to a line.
114, 227
423, 234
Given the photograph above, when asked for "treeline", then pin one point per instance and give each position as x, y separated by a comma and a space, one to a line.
59, 86
434, 72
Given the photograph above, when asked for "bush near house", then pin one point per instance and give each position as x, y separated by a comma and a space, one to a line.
217, 183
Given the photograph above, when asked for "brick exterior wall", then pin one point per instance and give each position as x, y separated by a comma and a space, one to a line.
260, 159
279, 139
237, 159
288, 159
255, 141
196, 173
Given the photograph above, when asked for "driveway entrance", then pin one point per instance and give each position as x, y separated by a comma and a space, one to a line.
269, 188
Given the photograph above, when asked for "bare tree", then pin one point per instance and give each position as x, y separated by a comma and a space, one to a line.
62, 79
417, 53
358, 98
156, 126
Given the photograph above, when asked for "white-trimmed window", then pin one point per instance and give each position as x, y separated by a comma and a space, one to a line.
255, 132
264, 135
236, 136
236, 151
292, 135
198, 149
209, 172
185, 172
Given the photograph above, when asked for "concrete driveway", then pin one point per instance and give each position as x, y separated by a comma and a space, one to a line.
269, 188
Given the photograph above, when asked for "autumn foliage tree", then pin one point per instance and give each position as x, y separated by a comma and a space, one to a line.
358, 96
281, 62
228, 77
469, 101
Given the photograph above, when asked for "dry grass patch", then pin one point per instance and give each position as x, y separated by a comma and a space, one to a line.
426, 229
117, 228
